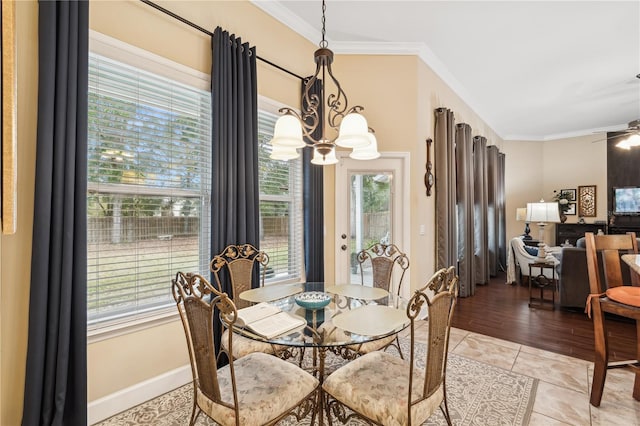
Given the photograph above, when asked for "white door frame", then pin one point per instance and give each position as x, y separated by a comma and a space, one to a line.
401, 209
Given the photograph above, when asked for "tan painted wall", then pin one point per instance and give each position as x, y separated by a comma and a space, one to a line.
15, 269
398, 92
535, 169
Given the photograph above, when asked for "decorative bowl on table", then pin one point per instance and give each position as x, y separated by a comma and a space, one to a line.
313, 299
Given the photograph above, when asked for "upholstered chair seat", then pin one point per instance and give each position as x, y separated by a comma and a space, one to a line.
377, 385
386, 390
243, 345
267, 386
253, 389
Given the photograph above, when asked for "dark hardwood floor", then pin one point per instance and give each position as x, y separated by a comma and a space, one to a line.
502, 311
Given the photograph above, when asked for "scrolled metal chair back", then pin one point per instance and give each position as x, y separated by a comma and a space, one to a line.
383, 258
196, 299
239, 260
439, 296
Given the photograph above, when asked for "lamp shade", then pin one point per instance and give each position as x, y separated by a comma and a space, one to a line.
369, 152
325, 160
543, 212
287, 132
283, 153
354, 131
521, 214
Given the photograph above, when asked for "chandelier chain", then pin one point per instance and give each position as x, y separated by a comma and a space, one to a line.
324, 42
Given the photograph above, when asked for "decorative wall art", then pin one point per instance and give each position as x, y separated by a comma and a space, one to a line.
572, 210
428, 176
9, 191
587, 201
571, 192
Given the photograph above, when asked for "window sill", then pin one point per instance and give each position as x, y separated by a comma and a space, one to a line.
116, 328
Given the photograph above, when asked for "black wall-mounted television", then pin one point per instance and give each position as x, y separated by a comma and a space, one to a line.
626, 201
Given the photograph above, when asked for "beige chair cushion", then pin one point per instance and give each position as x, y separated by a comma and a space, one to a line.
244, 346
267, 387
373, 345
376, 385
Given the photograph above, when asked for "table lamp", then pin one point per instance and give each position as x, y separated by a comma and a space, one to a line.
542, 213
521, 214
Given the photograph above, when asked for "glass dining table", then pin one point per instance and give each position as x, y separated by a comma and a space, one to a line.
355, 315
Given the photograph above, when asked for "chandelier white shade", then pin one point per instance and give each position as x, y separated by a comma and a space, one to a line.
368, 152
322, 110
287, 133
284, 153
354, 132
324, 160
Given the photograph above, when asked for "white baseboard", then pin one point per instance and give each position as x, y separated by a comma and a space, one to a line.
122, 400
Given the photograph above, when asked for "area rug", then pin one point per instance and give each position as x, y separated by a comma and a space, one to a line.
478, 394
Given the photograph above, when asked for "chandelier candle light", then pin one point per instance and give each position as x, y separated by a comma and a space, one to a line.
353, 130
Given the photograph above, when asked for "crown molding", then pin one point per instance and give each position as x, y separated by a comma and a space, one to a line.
297, 24
289, 19
556, 136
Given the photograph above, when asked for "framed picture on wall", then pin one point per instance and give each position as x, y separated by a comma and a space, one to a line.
587, 201
572, 210
571, 193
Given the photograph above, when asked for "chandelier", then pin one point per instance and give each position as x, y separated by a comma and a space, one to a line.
351, 126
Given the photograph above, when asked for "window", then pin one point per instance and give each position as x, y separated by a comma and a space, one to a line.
280, 205
149, 174
148, 187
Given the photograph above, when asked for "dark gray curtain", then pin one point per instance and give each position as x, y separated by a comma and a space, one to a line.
235, 214
465, 209
481, 236
313, 192
496, 219
502, 217
56, 371
445, 188
234, 187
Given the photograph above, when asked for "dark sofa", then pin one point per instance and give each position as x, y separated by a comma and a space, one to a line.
574, 277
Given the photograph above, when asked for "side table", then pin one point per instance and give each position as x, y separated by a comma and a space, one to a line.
542, 282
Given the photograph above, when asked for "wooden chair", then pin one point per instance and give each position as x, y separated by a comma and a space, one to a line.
257, 389
383, 259
607, 289
384, 389
239, 261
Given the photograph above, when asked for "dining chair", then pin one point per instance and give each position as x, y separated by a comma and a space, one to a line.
257, 389
611, 294
383, 258
238, 262
383, 389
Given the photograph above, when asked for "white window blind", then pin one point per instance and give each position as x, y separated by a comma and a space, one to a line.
281, 219
148, 188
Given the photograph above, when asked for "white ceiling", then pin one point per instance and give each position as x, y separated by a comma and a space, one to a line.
532, 70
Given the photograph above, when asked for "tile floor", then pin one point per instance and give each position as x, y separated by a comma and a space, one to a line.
562, 397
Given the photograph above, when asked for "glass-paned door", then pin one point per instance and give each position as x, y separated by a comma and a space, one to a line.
369, 199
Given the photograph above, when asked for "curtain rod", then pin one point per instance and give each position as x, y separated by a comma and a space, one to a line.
210, 34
